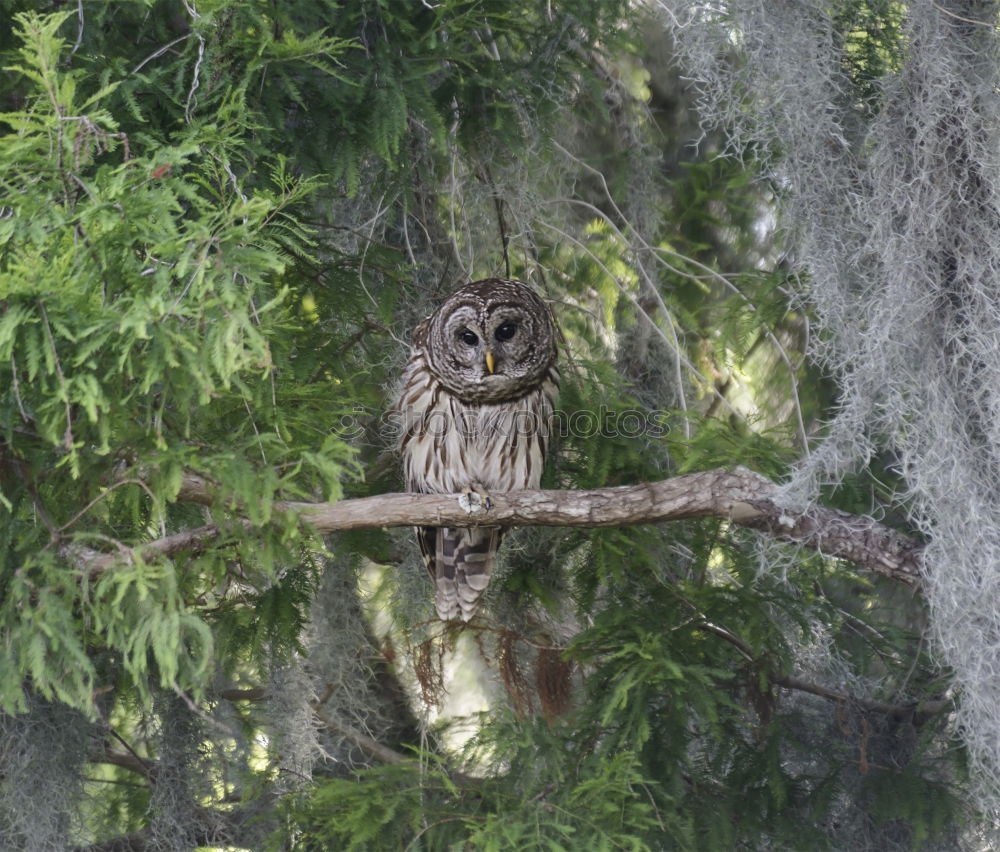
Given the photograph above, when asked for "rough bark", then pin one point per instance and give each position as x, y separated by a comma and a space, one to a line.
741, 496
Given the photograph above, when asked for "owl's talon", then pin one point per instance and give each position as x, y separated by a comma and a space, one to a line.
484, 495
474, 499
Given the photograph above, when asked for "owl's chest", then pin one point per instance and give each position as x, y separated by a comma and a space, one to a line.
448, 444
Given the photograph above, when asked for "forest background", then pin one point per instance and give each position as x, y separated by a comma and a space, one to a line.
767, 231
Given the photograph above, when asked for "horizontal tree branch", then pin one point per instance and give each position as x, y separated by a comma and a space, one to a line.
917, 712
741, 496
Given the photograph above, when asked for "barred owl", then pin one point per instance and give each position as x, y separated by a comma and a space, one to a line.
475, 406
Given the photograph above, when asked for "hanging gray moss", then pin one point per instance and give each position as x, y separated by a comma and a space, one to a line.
887, 171
177, 819
42, 752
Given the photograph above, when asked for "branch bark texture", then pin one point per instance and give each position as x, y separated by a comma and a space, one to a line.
741, 496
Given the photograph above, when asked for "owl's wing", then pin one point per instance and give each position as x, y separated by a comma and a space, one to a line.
460, 562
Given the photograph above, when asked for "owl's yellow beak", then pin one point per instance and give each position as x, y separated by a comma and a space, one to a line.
489, 361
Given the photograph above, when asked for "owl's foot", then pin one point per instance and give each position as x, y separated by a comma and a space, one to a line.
474, 499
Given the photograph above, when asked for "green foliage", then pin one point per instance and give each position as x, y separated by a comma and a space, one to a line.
873, 44
143, 289
602, 802
350, 81
925, 805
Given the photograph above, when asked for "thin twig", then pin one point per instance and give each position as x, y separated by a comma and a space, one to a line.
145, 767
951, 14
160, 52
79, 27
917, 711
104, 494
196, 74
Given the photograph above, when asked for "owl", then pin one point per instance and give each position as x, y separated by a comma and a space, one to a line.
475, 408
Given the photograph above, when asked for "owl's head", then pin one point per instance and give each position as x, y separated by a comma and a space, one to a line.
492, 340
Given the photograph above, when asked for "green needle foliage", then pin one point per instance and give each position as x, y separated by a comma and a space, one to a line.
143, 288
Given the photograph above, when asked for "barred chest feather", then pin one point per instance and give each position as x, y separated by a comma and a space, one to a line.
448, 444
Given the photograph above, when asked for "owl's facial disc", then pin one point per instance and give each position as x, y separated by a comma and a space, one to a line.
489, 350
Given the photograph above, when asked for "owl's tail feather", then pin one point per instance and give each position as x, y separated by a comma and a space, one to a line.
461, 565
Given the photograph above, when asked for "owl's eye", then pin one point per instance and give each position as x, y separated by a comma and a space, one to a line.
467, 337
505, 331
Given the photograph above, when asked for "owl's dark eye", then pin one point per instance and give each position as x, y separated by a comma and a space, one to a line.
467, 337
505, 331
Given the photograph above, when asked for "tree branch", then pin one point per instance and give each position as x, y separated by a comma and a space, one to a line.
132, 762
918, 712
741, 496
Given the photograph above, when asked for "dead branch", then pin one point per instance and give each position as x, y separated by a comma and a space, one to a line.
740, 496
